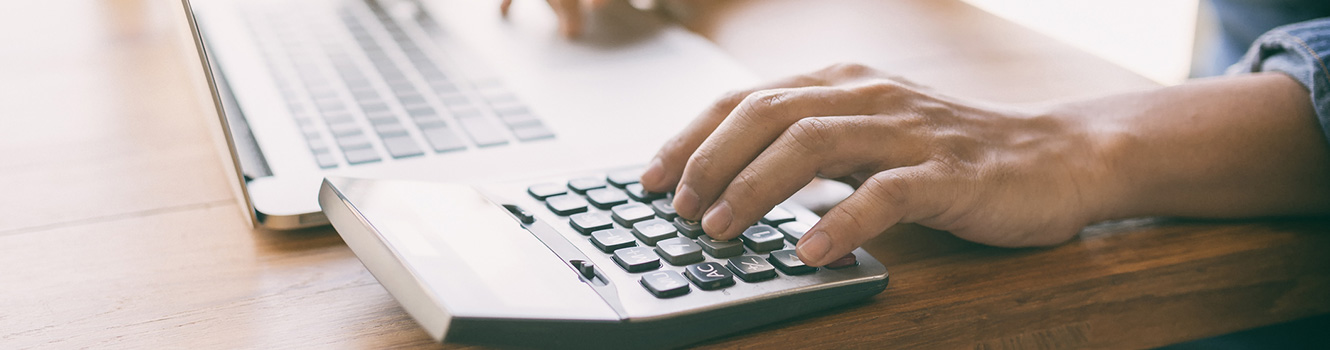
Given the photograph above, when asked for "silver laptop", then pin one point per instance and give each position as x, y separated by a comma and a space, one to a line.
440, 91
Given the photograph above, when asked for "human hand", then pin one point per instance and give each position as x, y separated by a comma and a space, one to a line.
991, 174
568, 11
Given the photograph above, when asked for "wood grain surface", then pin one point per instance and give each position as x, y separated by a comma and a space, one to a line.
120, 231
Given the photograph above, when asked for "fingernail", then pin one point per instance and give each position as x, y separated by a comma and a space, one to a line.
651, 177
718, 219
813, 247
686, 202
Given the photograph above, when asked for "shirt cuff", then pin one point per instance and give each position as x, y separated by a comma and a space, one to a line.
1297, 50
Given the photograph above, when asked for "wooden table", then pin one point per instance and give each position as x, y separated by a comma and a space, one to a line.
119, 228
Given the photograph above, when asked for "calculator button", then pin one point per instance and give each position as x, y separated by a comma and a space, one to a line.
632, 213
623, 178
543, 191
679, 251
581, 185
565, 205
586, 223
710, 275
720, 249
688, 228
664, 208
777, 216
606, 198
654, 230
789, 263
665, 284
762, 238
794, 230
612, 239
637, 193
848, 260
636, 259
751, 268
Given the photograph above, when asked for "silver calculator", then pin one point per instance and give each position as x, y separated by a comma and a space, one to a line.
587, 260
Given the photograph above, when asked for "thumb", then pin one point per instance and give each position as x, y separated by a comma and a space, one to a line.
885, 199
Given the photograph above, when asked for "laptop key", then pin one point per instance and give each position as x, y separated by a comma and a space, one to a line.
762, 238
402, 146
664, 208
665, 284
720, 249
325, 160
546, 190
586, 223
637, 193
612, 239
751, 268
532, 132
679, 251
606, 198
794, 231
361, 156
710, 275
788, 262
689, 228
632, 213
581, 185
777, 216
654, 230
443, 139
565, 205
483, 132
353, 141
636, 259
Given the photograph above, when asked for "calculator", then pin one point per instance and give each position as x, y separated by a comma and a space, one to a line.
586, 260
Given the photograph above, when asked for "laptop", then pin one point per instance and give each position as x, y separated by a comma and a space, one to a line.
438, 90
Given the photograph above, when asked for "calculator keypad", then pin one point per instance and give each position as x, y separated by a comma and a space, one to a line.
638, 230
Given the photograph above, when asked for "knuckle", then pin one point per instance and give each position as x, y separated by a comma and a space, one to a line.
811, 135
848, 68
745, 185
701, 164
850, 218
890, 188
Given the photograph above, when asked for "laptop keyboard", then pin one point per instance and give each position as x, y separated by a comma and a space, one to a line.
642, 233
365, 87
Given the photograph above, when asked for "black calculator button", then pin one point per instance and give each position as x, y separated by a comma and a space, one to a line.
565, 205
794, 230
679, 251
751, 268
762, 238
586, 223
636, 259
849, 260
710, 275
612, 239
777, 216
581, 185
624, 178
664, 208
637, 193
688, 228
789, 263
654, 230
665, 284
605, 198
543, 191
632, 213
720, 249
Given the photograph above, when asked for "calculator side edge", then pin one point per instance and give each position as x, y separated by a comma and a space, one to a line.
384, 263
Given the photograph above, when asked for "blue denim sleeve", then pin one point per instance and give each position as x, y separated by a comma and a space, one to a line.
1298, 50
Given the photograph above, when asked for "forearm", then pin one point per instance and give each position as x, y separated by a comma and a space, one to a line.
1229, 147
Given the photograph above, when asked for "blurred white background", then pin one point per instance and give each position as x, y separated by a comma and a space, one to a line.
1150, 37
